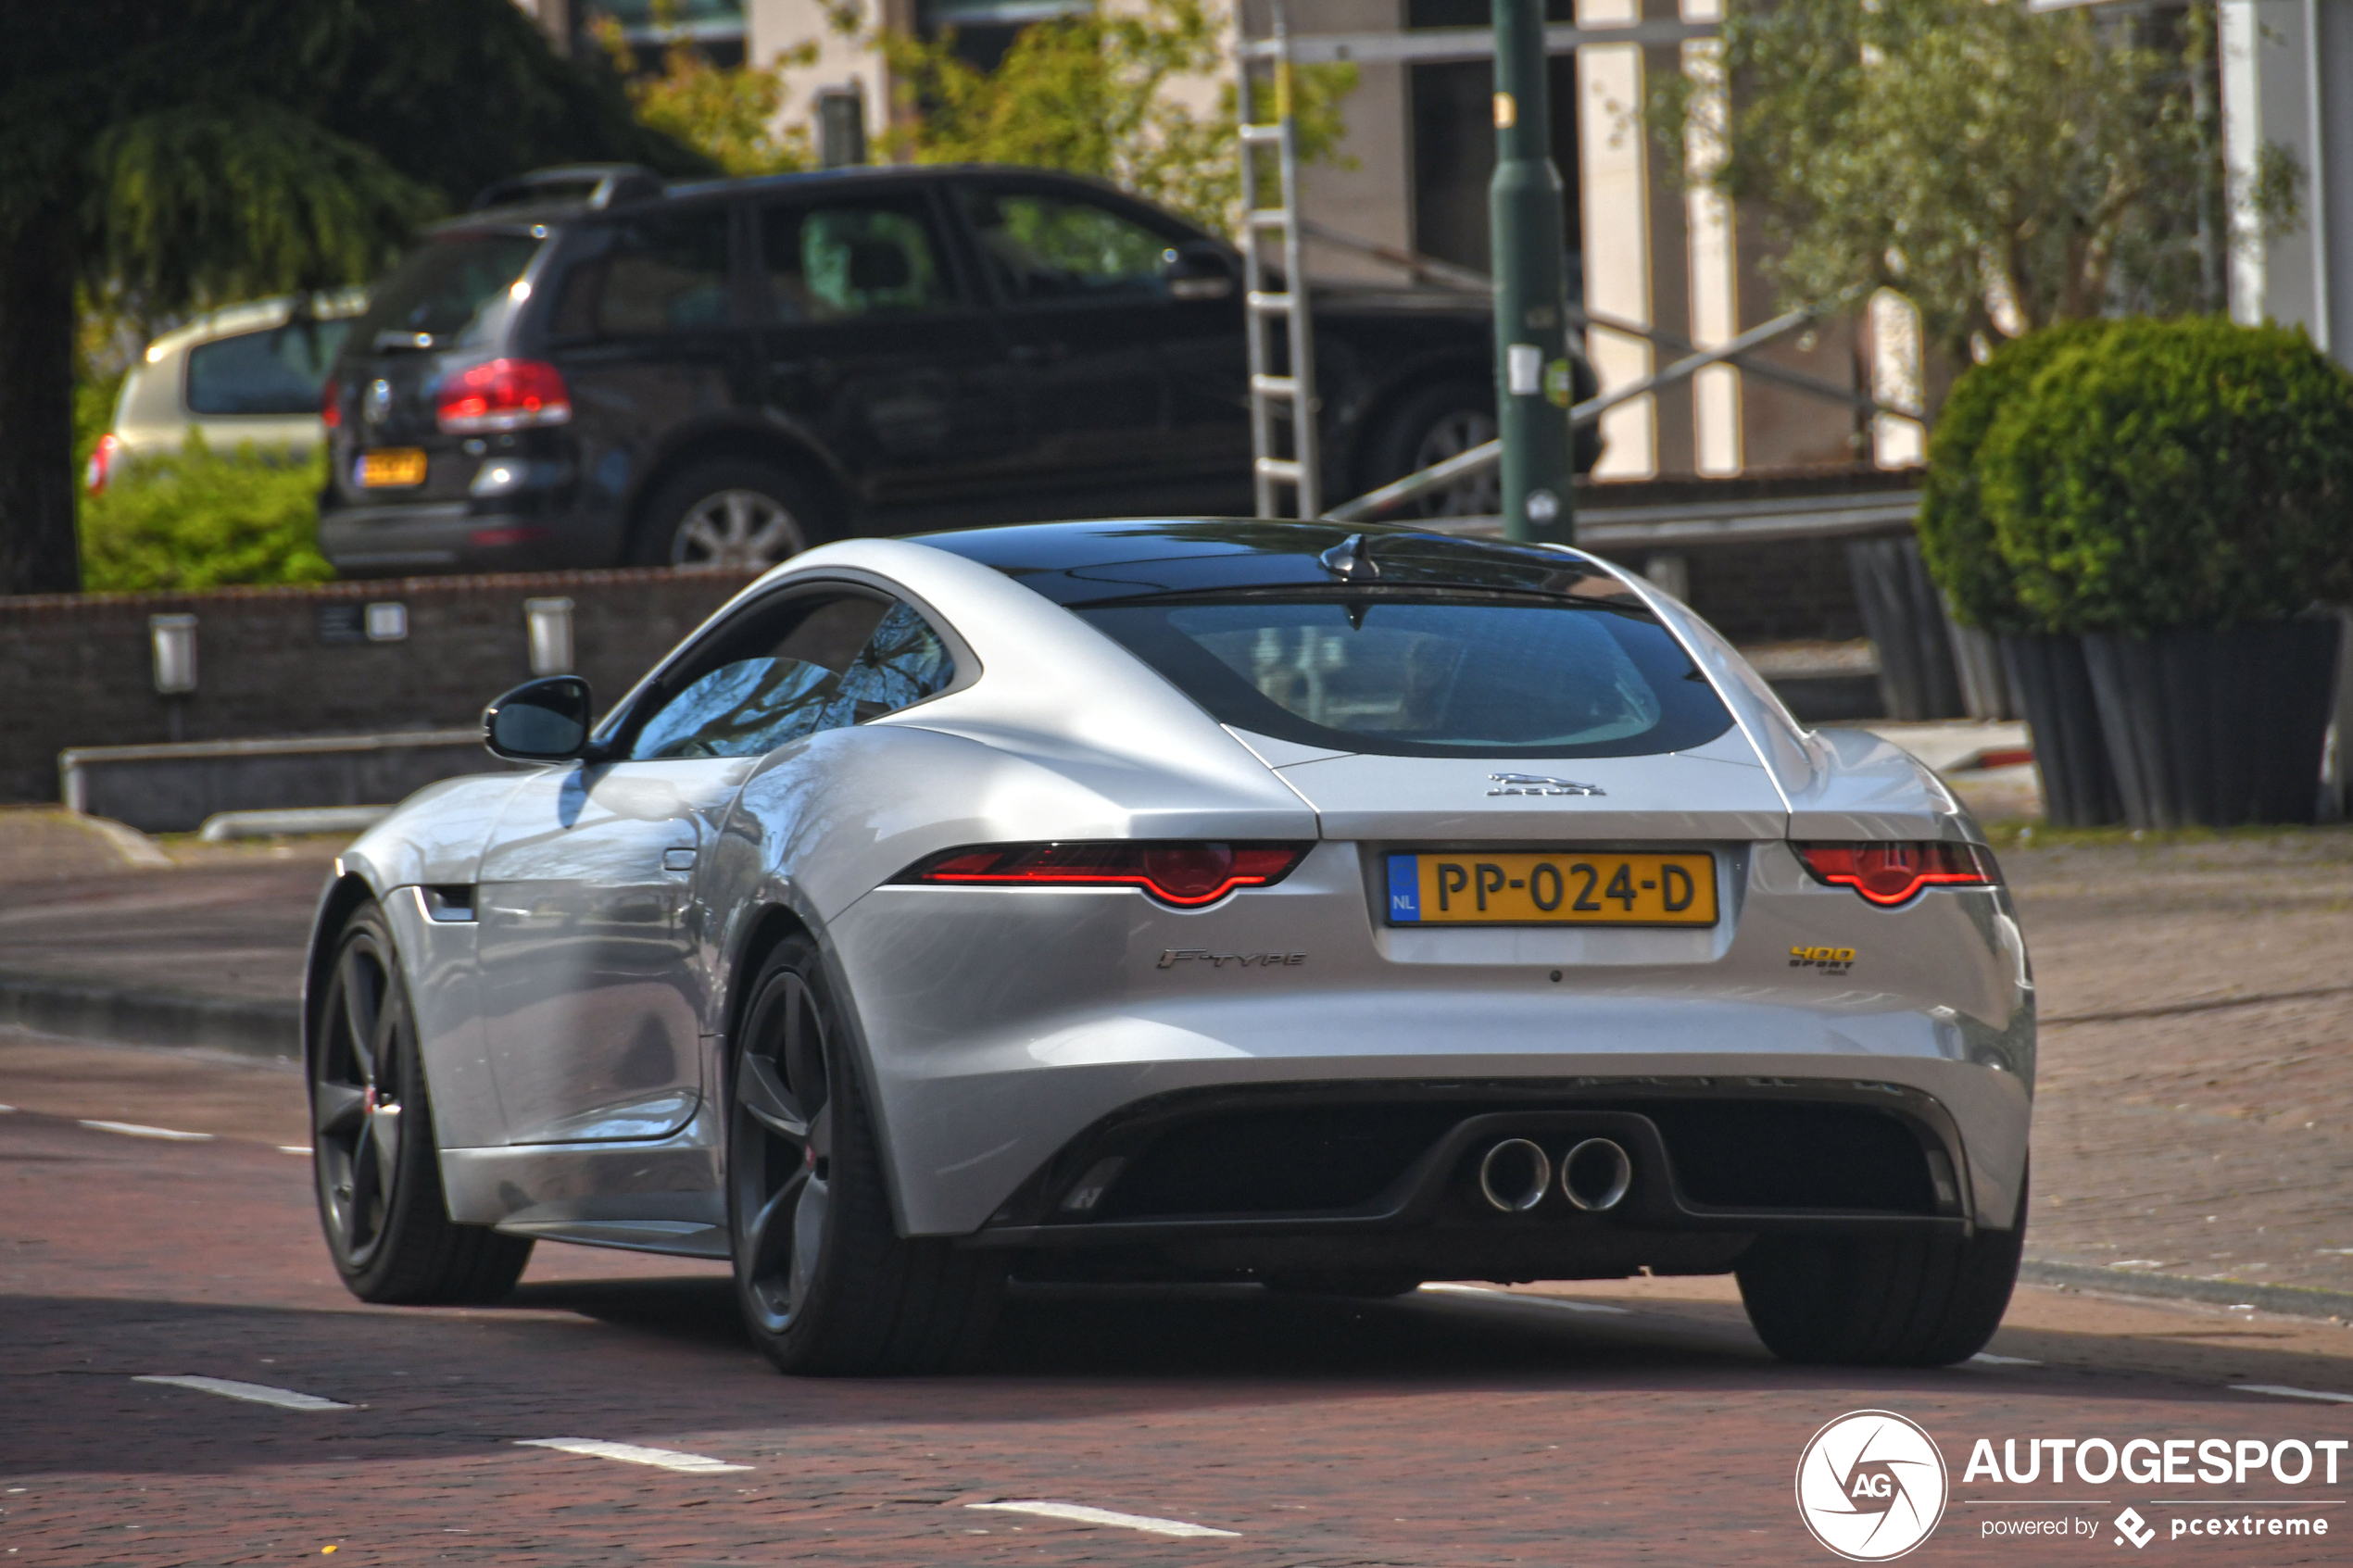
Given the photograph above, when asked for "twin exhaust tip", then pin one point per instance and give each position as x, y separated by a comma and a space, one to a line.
1514, 1174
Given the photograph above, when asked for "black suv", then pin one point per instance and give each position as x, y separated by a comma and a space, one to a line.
599, 370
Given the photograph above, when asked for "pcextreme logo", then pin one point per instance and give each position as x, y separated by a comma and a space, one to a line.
1871, 1486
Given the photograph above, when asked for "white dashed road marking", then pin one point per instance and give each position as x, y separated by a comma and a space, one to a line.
258, 1393
301, 1148
2282, 1391
132, 1130
630, 1453
1080, 1514
1990, 1359
1562, 1302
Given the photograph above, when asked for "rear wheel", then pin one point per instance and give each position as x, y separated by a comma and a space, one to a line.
826, 1284
727, 515
377, 1170
1893, 1301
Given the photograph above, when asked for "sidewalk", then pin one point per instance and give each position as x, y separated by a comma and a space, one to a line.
2194, 1113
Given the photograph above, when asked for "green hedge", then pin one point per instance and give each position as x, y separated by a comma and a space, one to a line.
2146, 476
1956, 536
205, 519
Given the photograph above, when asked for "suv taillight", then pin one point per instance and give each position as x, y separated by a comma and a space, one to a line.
1890, 874
102, 460
330, 406
503, 394
1187, 875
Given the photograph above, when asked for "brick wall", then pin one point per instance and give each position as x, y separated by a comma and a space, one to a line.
77, 669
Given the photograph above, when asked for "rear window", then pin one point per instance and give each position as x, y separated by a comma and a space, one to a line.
442, 288
276, 372
1429, 676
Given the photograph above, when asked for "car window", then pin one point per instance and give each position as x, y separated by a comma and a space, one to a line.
276, 372
788, 670
1053, 247
663, 272
826, 263
1429, 676
443, 287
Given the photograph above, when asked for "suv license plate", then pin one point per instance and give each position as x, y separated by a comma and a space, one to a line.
1456, 888
393, 467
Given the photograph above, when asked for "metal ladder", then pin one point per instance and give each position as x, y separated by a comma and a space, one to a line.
1295, 392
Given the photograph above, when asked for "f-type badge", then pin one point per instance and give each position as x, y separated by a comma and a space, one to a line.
1540, 783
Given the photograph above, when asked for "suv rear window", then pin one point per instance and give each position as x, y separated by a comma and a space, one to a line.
1428, 675
276, 372
442, 288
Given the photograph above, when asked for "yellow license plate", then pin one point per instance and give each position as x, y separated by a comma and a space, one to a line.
393, 467
1472, 888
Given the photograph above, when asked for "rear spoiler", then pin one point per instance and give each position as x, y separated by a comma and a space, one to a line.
591, 185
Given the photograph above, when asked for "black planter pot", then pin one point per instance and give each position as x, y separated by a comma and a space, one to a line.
2211, 728
2052, 685
1903, 615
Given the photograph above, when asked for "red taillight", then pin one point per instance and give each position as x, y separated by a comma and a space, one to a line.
1185, 875
330, 406
503, 394
1889, 873
102, 460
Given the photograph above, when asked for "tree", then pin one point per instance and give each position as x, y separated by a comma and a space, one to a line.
168, 157
730, 114
1091, 94
2005, 170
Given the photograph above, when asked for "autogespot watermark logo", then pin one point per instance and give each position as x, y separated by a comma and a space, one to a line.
1871, 1486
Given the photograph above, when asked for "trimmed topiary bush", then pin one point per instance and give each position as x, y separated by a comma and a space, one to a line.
2166, 475
202, 519
1956, 537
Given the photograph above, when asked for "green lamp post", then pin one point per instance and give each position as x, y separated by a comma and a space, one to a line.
1531, 343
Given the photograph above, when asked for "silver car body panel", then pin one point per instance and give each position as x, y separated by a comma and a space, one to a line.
995, 1024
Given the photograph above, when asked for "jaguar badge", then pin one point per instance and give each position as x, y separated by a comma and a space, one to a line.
1540, 783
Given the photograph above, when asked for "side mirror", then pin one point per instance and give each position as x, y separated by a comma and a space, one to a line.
1198, 270
539, 721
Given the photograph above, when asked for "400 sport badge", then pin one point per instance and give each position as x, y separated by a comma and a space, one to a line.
1871, 1486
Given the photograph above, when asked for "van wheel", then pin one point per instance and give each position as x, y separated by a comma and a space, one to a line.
731, 515
1893, 1301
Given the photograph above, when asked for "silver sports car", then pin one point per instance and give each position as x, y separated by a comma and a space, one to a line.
1183, 900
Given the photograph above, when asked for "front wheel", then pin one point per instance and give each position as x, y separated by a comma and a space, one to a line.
377, 1170
1882, 1301
825, 1283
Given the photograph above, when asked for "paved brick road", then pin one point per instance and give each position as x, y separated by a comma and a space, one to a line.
1452, 1429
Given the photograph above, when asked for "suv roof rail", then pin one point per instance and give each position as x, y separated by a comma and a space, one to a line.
591, 185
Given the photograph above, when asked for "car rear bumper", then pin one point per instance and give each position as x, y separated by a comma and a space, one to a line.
437, 537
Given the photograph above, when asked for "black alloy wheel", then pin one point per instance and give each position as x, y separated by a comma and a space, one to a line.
376, 1169
826, 1284
1429, 427
780, 1153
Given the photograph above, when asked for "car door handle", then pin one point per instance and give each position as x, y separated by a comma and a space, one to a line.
678, 859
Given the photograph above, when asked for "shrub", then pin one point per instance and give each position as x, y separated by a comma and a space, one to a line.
2163, 475
1956, 537
205, 519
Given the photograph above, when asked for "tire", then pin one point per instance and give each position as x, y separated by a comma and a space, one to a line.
730, 514
374, 1163
827, 1284
1903, 1301
1429, 426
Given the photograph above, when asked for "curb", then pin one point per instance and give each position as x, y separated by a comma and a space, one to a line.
2292, 1300
137, 1017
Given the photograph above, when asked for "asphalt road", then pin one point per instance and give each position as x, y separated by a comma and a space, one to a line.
1635, 1422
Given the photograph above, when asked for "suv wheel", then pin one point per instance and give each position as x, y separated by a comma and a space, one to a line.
1429, 427
726, 516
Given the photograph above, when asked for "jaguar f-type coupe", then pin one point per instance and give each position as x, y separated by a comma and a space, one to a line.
1243, 901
